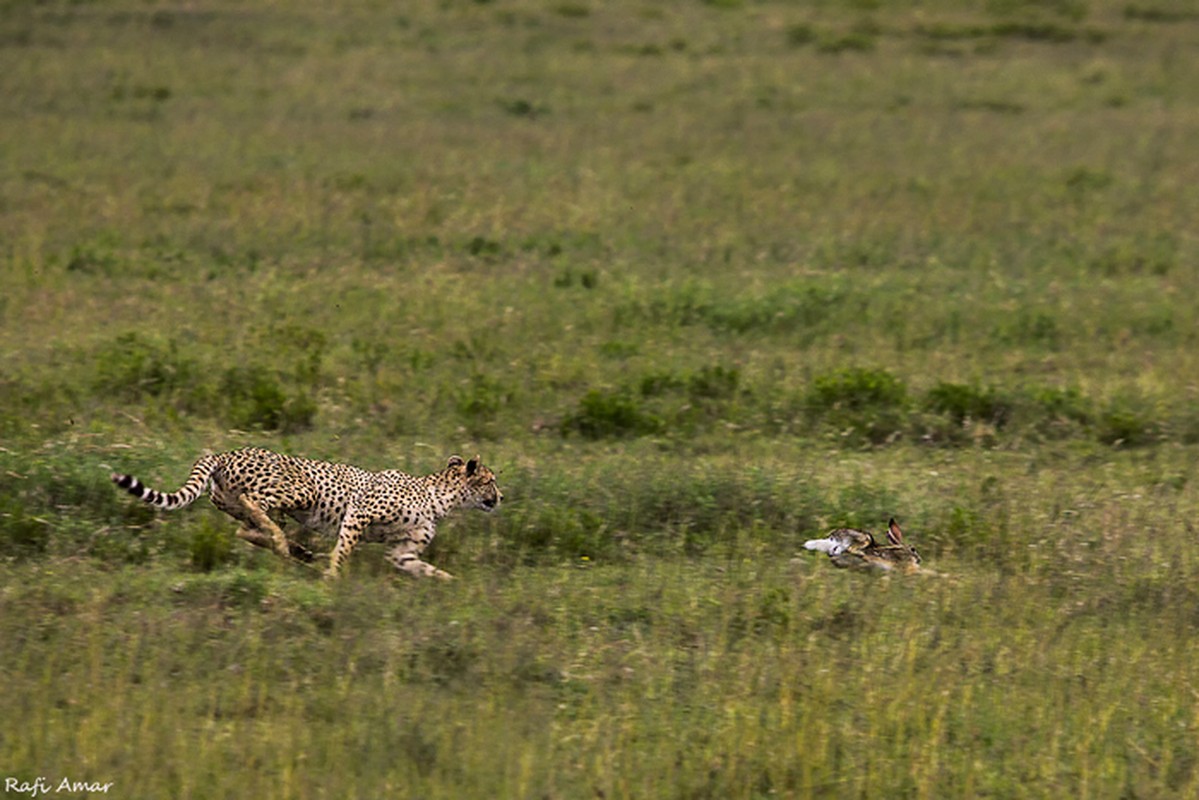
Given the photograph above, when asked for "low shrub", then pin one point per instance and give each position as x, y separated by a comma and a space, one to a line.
610, 414
67, 506
1126, 422
962, 403
21, 534
254, 399
654, 506
1055, 413
713, 383
482, 398
134, 366
864, 405
211, 546
864, 506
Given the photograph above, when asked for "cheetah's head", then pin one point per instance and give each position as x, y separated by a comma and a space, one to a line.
479, 482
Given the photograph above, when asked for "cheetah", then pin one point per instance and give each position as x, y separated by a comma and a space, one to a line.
359, 506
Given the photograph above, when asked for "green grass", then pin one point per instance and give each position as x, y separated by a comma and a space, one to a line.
699, 280
729, 678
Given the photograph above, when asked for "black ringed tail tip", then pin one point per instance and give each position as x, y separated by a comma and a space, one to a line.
126, 482
139, 490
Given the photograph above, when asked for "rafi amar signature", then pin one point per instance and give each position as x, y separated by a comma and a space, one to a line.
41, 785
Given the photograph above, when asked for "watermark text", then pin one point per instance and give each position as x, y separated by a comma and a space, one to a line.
41, 786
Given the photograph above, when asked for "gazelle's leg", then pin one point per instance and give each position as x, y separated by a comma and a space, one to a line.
259, 539
256, 537
264, 523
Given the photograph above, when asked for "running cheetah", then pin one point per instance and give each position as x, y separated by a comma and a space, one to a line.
389, 506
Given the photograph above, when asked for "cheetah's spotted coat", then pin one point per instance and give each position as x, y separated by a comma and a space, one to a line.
357, 505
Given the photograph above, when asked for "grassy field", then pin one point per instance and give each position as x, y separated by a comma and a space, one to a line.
699, 280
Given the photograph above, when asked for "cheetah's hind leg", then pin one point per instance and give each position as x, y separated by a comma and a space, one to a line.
268, 534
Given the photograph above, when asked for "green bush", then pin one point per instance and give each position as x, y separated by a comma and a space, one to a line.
866, 507
482, 398
244, 589
133, 366
713, 383
864, 405
67, 506
791, 308
1126, 422
1153, 13
852, 41
256, 400
610, 414
856, 389
982, 535
709, 382
587, 278
211, 546
795, 307
1054, 413
657, 384
655, 506
800, 34
961, 402
1032, 328
21, 534
93, 259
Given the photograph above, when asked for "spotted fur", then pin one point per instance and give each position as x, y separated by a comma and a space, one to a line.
390, 506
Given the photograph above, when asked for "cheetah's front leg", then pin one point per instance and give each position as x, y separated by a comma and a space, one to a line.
405, 556
406, 561
347, 540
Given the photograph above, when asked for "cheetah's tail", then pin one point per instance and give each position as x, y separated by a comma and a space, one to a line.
196, 483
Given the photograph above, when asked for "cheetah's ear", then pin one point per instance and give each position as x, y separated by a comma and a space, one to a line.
455, 461
472, 466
